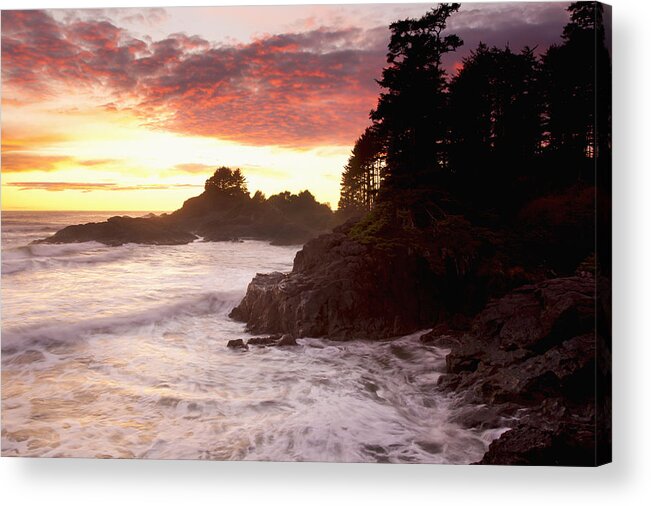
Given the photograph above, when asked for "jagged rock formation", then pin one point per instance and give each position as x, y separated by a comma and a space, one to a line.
531, 356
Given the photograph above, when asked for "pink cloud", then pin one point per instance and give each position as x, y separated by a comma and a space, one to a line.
309, 88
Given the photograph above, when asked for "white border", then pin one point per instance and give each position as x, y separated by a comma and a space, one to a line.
627, 481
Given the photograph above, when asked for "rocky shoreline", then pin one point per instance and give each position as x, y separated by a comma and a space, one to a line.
529, 348
531, 357
527, 359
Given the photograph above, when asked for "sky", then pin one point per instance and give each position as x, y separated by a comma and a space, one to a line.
132, 109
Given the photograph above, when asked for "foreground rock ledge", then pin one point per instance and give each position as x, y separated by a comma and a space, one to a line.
531, 357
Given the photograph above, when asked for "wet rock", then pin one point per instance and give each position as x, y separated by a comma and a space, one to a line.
529, 355
381, 277
275, 340
237, 344
551, 435
482, 418
287, 340
264, 341
342, 288
441, 336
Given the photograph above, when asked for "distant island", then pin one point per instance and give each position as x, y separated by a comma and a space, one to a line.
225, 211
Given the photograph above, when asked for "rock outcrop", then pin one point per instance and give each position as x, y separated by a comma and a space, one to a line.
531, 356
237, 344
120, 230
529, 359
281, 219
339, 290
343, 287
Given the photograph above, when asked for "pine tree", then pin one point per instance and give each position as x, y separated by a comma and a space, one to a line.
411, 114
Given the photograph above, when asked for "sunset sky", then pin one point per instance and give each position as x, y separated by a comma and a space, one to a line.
132, 109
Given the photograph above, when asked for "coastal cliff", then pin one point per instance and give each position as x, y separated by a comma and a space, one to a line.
341, 289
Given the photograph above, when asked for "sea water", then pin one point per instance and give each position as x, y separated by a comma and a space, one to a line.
121, 352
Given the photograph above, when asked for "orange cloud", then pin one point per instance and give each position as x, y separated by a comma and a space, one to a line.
94, 163
17, 160
194, 168
23, 162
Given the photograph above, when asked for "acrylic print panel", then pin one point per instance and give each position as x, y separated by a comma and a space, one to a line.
354, 233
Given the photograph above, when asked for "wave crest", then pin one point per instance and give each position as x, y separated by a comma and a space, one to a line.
19, 338
44, 256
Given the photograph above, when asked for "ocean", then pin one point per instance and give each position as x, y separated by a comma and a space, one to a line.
121, 352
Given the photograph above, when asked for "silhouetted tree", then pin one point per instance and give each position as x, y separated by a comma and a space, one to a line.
508, 128
227, 181
364, 172
259, 197
578, 84
496, 112
411, 115
301, 208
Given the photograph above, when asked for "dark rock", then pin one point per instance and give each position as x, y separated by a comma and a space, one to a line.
237, 344
214, 216
530, 357
343, 288
482, 418
287, 340
441, 336
281, 219
264, 341
525, 360
551, 435
120, 230
275, 340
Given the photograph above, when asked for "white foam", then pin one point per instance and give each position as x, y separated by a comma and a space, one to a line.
22, 337
45, 256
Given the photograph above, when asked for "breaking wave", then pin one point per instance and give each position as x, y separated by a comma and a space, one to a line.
44, 256
22, 337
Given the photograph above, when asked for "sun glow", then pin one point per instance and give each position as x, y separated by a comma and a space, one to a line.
111, 160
